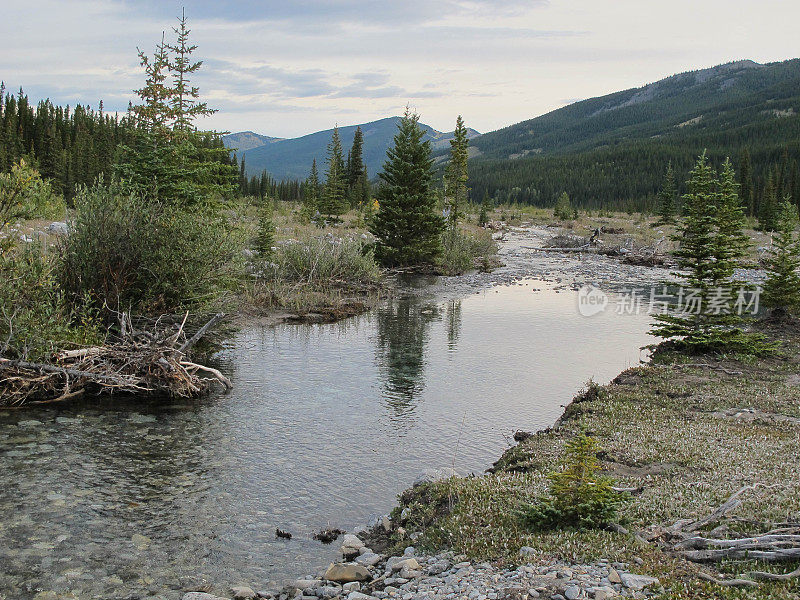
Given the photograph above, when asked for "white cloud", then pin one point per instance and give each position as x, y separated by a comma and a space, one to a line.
290, 68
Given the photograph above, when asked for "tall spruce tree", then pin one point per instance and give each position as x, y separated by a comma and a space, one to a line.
782, 288
355, 169
731, 241
746, 182
457, 175
706, 319
168, 159
311, 193
407, 228
486, 206
666, 199
768, 207
334, 195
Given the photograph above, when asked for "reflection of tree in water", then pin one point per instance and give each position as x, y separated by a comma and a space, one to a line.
402, 337
453, 319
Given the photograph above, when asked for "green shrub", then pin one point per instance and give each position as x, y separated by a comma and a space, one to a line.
129, 254
462, 252
563, 209
323, 260
578, 497
25, 195
36, 319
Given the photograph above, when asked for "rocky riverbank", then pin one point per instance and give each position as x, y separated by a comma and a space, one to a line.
445, 576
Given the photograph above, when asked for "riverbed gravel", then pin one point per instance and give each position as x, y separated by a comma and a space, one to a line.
445, 576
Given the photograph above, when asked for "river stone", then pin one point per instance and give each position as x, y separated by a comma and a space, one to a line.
242, 592
304, 584
410, 564
369, 559
352, 541
613, 576
200, 596
353, 586
346, 572
572, 592
358, 596
637, 582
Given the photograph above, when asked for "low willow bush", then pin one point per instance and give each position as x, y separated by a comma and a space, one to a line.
578, 497
125, 253
324, 260
36, 319
319, 272
462, 252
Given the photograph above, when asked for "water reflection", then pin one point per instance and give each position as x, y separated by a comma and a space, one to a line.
403, 334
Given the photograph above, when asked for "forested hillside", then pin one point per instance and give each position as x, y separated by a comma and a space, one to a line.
614, 150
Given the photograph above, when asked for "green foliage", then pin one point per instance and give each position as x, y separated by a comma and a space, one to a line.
127, 253
23, 195
36, 319
782, 288
666, 199
167, 159
486, 206
265, 239
711, 241
768, 209
578, 497
407, 229
462, 252
69, 146
563, 208
324, 260
333, 200
457, 174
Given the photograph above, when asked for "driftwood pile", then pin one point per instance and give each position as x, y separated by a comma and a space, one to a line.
779, 543
140, 362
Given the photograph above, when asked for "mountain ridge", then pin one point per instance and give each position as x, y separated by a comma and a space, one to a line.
290, 158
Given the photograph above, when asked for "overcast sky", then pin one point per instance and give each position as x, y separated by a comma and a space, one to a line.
288, 68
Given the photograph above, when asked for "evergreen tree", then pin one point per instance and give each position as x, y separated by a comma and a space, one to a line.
457, 174
486, 206
746, 182
666, 199
768, 207
311, 193
168, 159
355, 170
731, 241
265, 239
407, 228
563, 209
705, 319
782, 288
333, 200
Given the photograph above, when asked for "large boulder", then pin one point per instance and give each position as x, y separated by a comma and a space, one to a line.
347, 572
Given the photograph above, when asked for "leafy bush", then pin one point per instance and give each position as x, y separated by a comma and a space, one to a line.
324, 259
563, 209
129, 254
35, 318
461, 252
578, 497
24, 195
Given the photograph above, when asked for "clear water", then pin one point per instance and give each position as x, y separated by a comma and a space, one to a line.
325, 425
